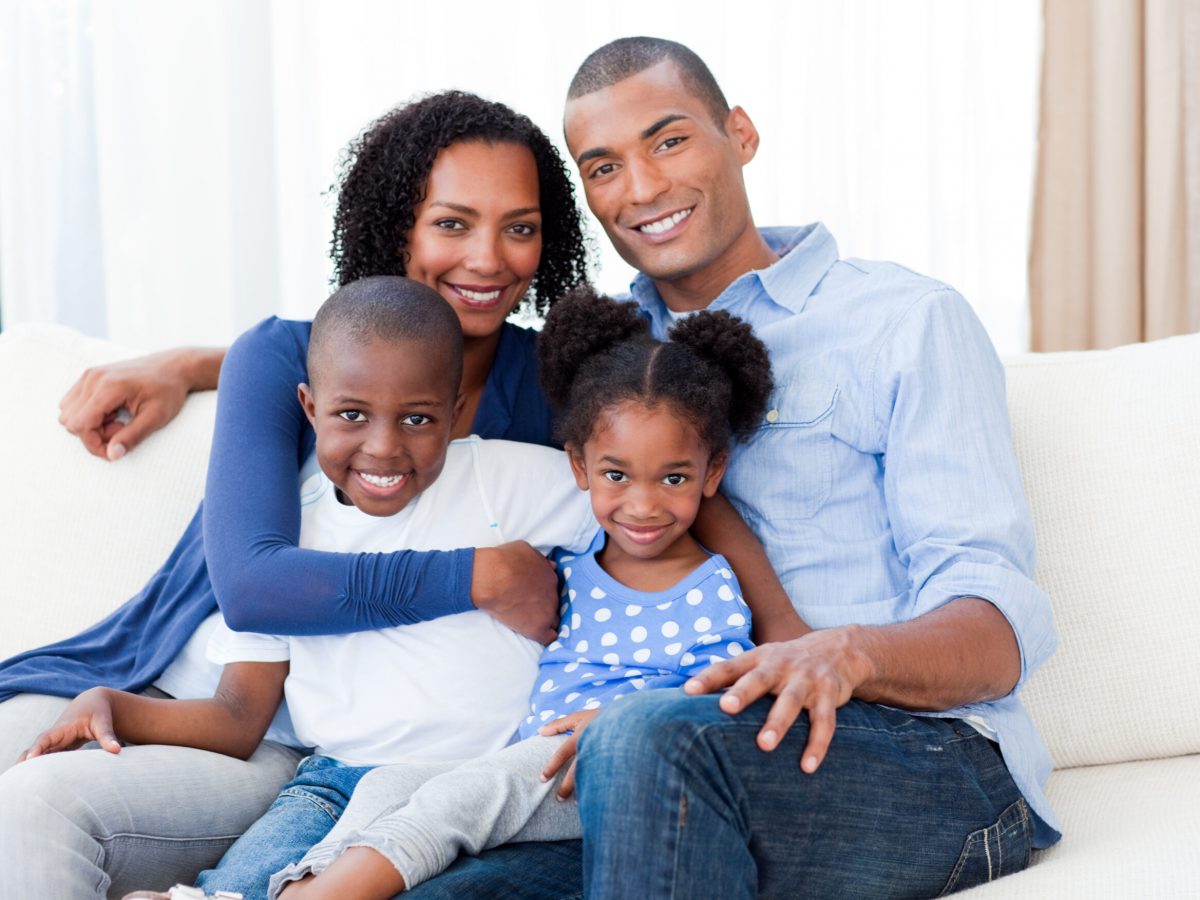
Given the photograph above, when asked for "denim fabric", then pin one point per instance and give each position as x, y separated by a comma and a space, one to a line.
903, 806
882, 480
306, 808
540, 871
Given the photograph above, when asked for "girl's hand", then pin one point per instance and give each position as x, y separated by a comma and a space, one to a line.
575, 722
87, 718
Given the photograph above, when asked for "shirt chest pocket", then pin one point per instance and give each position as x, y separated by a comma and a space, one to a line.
785, 469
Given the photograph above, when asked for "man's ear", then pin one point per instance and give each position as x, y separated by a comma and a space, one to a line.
742, 133
578, 469
715, 472
308, 403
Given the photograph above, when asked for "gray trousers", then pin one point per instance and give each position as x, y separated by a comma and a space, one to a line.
421, 817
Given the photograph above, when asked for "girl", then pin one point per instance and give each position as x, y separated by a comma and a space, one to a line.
647, 428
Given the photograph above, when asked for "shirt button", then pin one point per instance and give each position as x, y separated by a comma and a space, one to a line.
773, 416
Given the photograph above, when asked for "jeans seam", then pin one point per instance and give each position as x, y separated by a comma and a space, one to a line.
324, 806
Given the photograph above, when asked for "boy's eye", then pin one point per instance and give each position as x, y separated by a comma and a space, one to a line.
615, 476
353, 415
416, 419
675, 479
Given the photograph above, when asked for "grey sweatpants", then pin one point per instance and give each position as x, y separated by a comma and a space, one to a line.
421, 817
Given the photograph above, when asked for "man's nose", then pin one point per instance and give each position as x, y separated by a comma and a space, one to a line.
646, 181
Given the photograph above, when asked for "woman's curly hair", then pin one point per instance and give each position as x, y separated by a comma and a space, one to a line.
596, 353
384, 175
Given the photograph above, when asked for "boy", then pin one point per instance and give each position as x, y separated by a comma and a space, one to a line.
384, 365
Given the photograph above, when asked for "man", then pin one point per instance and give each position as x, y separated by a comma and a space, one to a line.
883, 485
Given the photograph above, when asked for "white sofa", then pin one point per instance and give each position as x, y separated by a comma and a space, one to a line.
1109, 446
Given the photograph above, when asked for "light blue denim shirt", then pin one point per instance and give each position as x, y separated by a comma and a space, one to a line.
882, 480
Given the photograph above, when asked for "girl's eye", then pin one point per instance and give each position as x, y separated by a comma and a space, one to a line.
614, 476
352, 415
416, 419
675, 479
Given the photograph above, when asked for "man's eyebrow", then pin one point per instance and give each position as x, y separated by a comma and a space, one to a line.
646, 133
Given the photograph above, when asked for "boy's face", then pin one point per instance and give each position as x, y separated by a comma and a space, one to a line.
382, 412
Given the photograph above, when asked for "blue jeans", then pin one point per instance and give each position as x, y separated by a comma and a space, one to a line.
306, 808
677, 801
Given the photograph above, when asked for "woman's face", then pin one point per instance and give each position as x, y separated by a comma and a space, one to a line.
477, 239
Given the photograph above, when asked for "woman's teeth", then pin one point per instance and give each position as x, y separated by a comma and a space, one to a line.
480, 296
666, 223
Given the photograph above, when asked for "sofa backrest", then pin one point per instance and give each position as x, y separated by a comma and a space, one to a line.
1109, 448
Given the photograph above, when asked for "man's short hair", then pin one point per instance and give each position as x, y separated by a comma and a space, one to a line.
389, 307
624, 57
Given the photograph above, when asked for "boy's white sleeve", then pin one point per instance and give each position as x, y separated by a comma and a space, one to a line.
534, 496
226, 646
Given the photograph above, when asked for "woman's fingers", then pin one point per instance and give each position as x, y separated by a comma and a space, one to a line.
564, 753
567, 788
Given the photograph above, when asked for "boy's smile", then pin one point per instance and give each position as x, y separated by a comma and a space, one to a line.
382, 411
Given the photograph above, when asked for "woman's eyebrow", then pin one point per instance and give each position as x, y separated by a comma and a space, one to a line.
471, 211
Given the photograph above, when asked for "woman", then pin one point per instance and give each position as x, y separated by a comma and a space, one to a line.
460, 193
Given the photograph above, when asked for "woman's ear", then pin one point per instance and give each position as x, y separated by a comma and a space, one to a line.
578, 469
715, 472
307, 403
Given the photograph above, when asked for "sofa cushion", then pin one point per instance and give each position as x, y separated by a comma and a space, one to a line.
79, 535
1109, 448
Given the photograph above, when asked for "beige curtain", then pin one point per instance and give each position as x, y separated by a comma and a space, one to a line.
1115, 247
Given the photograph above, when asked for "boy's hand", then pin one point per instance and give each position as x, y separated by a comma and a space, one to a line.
575, 722
517, 586
87, 718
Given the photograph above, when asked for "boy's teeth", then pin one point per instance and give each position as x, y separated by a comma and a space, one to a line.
381, 480
480, 296
665, 224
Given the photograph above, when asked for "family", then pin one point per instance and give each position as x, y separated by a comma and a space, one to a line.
788, 603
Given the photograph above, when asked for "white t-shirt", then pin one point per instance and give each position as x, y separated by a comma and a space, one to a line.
451, 688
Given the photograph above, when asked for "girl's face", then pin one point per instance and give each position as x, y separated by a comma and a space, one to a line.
647, 471
477, 240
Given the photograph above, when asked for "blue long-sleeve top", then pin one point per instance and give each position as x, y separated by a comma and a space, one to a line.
239, 550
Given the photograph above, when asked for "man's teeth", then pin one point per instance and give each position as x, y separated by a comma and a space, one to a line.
480, 296
383, 481
665, 224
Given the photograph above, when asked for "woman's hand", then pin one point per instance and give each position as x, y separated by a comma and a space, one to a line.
517, 586
113, 408
576, 723
87, 718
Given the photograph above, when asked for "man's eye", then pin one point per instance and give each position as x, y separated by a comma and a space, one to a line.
675, 479
671, 142
416, 419
352, 415
602, 170
615, 476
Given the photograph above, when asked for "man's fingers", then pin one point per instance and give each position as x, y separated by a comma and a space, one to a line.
720, 675
780, 718
822, 719
755, 683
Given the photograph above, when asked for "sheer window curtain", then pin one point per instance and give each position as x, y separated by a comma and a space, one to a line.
165, 166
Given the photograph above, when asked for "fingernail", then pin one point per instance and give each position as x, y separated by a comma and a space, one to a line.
769, 739
810, 764
115, 452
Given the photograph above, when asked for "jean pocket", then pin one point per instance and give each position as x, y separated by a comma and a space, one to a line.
797, 429
999, 849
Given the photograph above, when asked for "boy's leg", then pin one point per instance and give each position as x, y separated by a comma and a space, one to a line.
86, 823
306, 808
480, 804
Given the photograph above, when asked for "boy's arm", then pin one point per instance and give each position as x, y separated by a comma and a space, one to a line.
720, 528
233, 721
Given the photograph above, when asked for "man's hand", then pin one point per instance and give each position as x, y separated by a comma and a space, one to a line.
517, 585
818, 672
87, 718
113, 408
576, 723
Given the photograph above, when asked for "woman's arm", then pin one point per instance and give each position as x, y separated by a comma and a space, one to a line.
149, 389
721, 529
264, 582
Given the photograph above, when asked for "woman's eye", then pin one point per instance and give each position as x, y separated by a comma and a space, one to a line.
524, 229
675, 479
449, 225
352, 415
615, 476
416, 419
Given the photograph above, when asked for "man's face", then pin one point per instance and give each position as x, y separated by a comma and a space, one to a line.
663, 179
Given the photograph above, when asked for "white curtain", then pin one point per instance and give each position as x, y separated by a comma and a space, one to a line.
165, 166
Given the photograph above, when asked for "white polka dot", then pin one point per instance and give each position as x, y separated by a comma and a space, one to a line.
670, 629
571, 697
617, 696
562, 610
598, 594
687, 659
547, 713
557, 645
615, 666
565, 558
638, 683
632, 610
672, 649
736, 620
581, 647
565, 631
571, 667
725, 573
611, 658
638, 635
592, 704
567, 572
702, 624
576, 620
599, 683
734, 649
571, 593
641, 655
695, 596
608, 640
529, 720
708, 639
666, 605
725, 592
547, 686
603, 614
632, 673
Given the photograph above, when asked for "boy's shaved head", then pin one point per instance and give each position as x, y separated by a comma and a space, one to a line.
624, 57
392, 308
